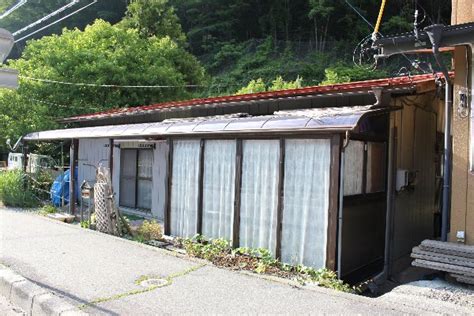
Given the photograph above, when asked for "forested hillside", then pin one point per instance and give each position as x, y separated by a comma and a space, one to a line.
240, 40
194, 48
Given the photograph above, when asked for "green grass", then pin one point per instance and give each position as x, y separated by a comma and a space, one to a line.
15, 190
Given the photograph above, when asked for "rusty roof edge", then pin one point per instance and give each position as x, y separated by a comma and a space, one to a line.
361, 87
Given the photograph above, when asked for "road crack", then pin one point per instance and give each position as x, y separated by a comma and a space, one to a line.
168, 281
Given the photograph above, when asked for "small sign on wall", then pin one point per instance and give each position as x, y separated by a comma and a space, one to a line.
137, 145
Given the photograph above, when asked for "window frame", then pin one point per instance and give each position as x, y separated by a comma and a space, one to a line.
137, 178
366, 140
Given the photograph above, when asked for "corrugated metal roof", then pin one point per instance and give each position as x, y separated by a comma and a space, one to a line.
311, 120
353, 87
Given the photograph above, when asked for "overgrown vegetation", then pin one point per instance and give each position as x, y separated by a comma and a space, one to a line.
150, 230
48, 209
220, 253
16, 190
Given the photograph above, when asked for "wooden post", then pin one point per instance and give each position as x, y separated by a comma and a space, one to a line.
169, 174
280, 199
200, 189
25, 163
72, 175
331, 249
25, 157
238, 184
111, 158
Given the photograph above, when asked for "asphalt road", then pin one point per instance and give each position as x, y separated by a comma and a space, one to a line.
99, 273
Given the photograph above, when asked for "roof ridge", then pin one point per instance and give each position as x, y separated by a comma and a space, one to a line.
311, 90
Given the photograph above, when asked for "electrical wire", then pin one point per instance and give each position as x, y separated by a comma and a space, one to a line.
18, 5
47, 17
359, 14
57, 21
360, 53
83, 84
33, 100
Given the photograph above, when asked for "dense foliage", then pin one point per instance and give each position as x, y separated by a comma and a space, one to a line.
242, 45
243, 40
101, 54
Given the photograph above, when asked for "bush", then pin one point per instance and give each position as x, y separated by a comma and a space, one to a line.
15, 190
150, 230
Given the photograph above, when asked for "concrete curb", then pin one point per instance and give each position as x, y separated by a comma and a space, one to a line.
33, 299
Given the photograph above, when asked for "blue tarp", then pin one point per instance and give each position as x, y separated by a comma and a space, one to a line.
60, 188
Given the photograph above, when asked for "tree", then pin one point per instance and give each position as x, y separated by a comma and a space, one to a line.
154, 18
320, 12
259, 85
102, 54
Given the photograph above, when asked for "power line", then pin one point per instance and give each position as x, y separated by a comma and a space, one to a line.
18, 5
359, 14
64, 106
47, 17
83, 84
57, 21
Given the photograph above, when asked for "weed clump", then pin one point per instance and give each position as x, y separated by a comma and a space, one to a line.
149, 230
48, 209
15, 190
260, 260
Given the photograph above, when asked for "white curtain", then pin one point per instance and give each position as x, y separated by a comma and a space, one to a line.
353, 168
376, 165
185, 187
145, 176
306, 201
218, 188
259, 194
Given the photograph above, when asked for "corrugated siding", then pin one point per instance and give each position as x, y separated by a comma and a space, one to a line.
92, 152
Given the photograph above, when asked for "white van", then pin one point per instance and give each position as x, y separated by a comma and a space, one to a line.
15, 161
35, 162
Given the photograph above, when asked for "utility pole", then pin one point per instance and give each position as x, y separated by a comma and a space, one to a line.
8, 77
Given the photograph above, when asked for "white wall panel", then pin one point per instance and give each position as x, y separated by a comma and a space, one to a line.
91, 152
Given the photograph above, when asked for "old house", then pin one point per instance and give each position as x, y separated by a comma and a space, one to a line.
343, 176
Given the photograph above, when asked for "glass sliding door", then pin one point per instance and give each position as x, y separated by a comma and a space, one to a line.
185, 187
306, 201
144, 179
128, 177
136, 180
259, 194
219, 188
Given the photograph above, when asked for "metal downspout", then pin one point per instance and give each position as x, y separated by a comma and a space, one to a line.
446, 210
435, 33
